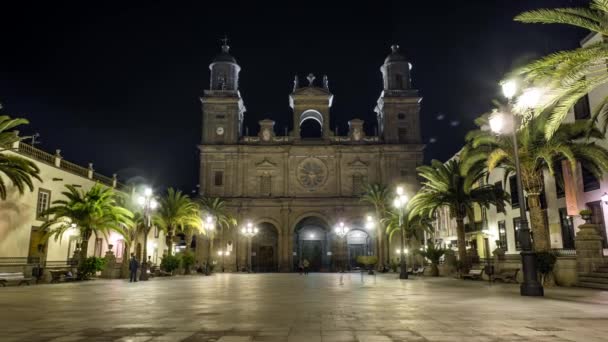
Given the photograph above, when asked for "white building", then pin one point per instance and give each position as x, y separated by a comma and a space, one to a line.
20, 216
491, 226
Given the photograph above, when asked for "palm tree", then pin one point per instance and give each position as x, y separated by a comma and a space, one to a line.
412, 228
378, 196
18, 170
95, 211
570, 75
450, 185
536, 154
176, 211
216, 208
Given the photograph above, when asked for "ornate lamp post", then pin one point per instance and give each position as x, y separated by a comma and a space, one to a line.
341, 231
249, 231
399, 203
503, 123
209, 227
147, 203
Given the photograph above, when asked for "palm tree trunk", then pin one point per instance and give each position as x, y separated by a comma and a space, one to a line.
538, 224
84, 248
170, 241
124, 267
462, 247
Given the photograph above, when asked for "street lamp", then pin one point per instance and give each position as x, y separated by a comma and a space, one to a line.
249, 231
209, 227
148, 204
341, 231
399, 203
498, 124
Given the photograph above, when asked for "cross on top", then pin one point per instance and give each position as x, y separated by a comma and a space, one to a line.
310, 79
225, 40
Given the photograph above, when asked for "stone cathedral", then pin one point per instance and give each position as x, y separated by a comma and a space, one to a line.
295, 189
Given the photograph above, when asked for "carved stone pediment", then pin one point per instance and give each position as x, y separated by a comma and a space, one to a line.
265, 164
358, 164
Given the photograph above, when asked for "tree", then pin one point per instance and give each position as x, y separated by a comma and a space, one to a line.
450, 185
176, 211
378, 196
19, 171
411, 228
570, 75
536, 154
95, 211
216, 208
433, 254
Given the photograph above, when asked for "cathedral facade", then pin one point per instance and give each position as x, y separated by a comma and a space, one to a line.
295, 189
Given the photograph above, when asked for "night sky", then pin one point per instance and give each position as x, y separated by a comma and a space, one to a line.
119, 85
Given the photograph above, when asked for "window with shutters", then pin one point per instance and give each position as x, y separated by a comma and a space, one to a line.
266, 185
514, 193
516, 226
44, 200
358, 183
502, 234
218, 178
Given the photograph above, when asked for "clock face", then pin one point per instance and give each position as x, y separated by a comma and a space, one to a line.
219, 130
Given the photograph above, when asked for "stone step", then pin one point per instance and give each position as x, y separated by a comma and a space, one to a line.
587, 279
598, 286
595, 275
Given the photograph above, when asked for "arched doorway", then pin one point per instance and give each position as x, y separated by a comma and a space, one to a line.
359, 243
264, 249
312, 243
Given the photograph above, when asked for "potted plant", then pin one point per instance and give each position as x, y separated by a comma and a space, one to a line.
170, 263
433, 254
545, 262
586, 215
368, 261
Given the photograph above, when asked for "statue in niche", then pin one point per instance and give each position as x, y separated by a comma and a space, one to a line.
356, 134
266, 135
325, 82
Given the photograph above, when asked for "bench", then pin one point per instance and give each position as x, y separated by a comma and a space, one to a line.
419, 271
507, 275
59, 275
473, 274
14, 277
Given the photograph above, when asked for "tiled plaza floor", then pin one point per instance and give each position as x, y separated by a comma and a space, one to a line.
290, 307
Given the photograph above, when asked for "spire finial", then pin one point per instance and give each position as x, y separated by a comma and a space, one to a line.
225, 46
395, 48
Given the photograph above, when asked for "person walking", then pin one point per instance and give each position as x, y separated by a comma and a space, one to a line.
306, 264
301, 267
133, 266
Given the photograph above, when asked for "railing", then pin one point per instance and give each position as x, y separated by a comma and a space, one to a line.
103, 179
79, 170
564, 251
36, 153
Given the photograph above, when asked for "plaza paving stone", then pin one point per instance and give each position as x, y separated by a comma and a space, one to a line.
291, 307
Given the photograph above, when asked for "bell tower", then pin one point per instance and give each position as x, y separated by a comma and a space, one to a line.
223, 107
311, 102
398, 107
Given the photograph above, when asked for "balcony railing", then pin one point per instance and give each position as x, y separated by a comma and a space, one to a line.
564, 251
58, 161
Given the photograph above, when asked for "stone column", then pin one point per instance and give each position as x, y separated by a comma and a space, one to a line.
284, 236
589, 251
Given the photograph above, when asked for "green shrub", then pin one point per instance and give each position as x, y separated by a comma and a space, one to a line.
187, 261
545, 262
170, 263
367, 260
91, 266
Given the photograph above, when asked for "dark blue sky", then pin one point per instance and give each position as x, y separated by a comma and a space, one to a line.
118, 84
